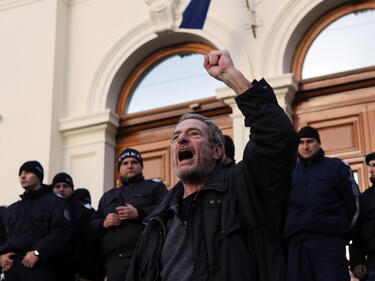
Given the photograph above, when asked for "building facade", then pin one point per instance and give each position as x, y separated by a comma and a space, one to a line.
69, 70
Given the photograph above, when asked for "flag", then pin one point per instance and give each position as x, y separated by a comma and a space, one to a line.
195, 14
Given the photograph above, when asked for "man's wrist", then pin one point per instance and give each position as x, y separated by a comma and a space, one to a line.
36, 253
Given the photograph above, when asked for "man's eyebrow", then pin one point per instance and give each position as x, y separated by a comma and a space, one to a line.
187, 129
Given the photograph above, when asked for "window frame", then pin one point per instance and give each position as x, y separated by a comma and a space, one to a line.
319, 26
166, 115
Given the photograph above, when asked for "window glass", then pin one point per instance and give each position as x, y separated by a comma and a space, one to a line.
174, 79
347, 43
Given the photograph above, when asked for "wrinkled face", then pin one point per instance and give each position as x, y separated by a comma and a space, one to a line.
371, 169
29, 181
130, 167
193, 156
63, 189
308, 148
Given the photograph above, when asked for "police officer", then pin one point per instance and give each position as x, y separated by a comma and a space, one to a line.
322, 209
228, 158
121, 212
362, 250
75, 258
37, 229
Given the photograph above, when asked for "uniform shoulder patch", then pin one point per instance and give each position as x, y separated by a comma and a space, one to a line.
67, 215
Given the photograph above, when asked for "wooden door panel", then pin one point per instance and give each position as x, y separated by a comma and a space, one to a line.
358, 166
371, 126
341, 129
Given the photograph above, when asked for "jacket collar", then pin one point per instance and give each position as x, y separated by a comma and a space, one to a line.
215, 182
136, 178
33, 194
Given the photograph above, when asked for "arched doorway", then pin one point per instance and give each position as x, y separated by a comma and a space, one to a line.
148, 111
337, 90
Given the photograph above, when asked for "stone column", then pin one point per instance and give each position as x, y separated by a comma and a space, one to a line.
284, 86
89, 151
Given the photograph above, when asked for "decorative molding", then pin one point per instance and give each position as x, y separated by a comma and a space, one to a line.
162, 14
255, 22
11, 4
285, 88
83, 122
286, 27
111, 63
215, 32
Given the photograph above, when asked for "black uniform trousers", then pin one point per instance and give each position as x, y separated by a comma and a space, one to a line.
117, 268
317, 257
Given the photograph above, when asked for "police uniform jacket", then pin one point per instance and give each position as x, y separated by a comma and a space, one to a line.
235, 221
364, 239
324, 198
39, 221
144, 195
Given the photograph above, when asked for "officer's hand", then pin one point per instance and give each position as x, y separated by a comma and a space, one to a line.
111, 219
30, 259
127, 212
6, 262
360, 271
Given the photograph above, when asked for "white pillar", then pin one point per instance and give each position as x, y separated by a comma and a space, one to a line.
89, 151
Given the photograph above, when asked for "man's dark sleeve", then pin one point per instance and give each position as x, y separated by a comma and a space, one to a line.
159, 192
95, 225
58, 237
356, 251
270, 155
349, 192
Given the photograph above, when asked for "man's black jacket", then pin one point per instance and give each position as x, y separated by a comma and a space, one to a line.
237, 218
364, 237
39, 221
145, 196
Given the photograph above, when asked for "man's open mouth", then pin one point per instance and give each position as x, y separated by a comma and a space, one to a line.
184, 154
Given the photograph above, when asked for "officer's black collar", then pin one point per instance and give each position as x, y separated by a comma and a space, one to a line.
316, 158
34, 193
136, 178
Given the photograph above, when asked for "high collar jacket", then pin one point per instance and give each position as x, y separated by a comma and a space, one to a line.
39, 221
236, 219
145, 196
324, 198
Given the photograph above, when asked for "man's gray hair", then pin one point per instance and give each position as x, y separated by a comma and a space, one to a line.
215, 134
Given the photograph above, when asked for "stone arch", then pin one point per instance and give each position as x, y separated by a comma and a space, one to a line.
288, 29
142, 41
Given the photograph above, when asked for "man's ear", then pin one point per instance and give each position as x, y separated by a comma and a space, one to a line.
217, 151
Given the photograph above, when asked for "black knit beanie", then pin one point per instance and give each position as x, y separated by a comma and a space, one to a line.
129, 152
309, 132
33, 167
63, 177
229, 147
370, 157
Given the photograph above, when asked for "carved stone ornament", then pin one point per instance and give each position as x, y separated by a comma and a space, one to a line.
254, 21
162, 14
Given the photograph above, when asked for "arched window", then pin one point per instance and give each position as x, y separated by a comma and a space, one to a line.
340, 41
170, 76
